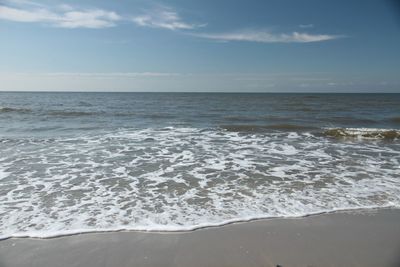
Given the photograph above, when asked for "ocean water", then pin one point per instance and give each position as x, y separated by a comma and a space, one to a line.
83, 162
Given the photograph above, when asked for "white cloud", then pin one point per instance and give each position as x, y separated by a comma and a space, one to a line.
67, 16
164, 18
97, 18
268, 37
20, 15
64, 16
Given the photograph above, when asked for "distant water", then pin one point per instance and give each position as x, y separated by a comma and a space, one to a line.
80, 162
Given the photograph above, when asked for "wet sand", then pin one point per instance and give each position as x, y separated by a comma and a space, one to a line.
358, 238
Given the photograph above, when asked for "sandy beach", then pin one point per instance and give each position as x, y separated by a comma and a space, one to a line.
223, 133
356, 238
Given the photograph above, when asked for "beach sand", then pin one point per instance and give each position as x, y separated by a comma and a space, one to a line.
357, 238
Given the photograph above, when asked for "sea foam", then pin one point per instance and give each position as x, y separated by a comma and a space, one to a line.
176, 179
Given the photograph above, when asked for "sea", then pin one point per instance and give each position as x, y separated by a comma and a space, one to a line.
91, 162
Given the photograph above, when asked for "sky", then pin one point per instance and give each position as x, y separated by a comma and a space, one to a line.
200, 46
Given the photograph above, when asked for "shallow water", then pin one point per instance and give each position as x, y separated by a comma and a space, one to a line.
78, 162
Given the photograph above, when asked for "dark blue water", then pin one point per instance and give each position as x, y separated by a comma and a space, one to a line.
63, 113
78, 162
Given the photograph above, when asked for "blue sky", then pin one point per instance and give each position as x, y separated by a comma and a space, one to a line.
187, 45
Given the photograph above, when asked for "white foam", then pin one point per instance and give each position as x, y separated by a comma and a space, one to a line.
3, 174
186, 179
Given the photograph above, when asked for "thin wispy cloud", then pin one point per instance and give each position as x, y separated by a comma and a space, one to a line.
161, 17
63, 16
263, 36
164, 18
94, 74
306, 26
97, 18
114, 74
24, 2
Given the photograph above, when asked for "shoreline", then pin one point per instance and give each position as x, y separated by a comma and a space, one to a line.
366, 237
197, 227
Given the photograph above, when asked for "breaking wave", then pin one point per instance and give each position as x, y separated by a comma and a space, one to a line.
365, 133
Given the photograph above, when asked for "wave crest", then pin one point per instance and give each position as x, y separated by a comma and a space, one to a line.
14, 110
367, 133
263, 128
395, 119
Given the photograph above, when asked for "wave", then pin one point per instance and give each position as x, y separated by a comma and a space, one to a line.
84, 104
395, 119
367, 133
351, 120
158, 116
263, 128
63, 113
240, 118
14, 110
363, 133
